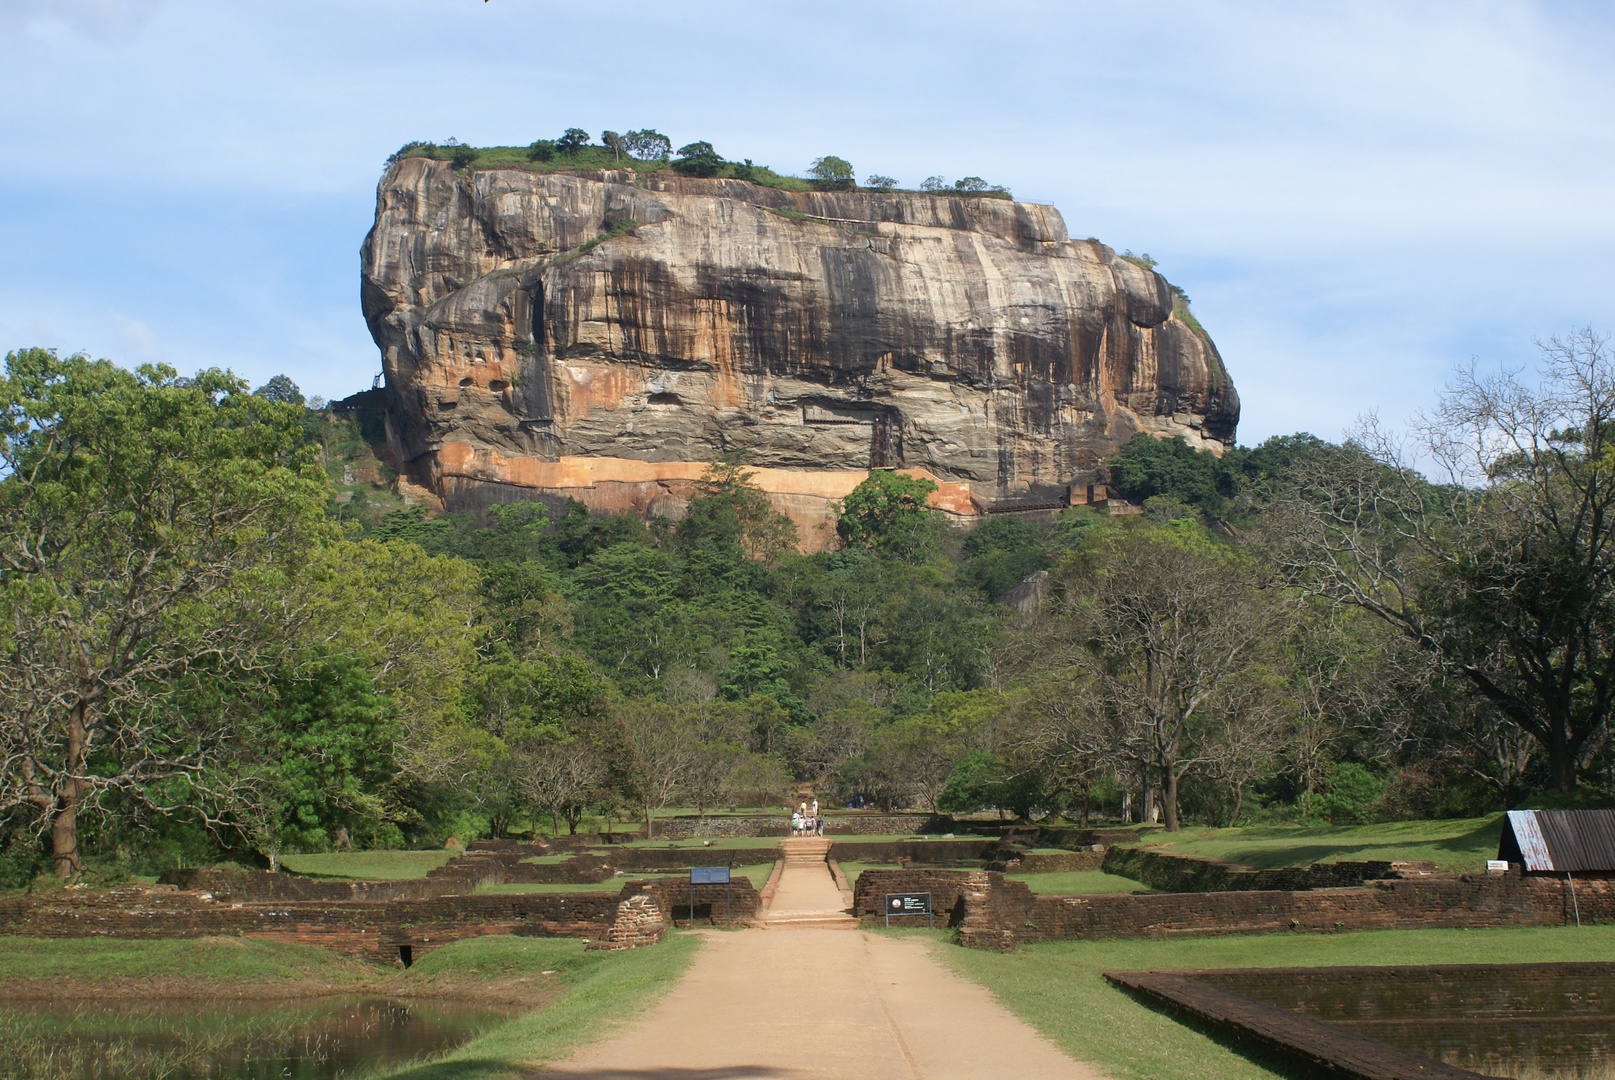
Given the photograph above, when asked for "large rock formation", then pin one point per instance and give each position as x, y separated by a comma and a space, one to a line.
603, 335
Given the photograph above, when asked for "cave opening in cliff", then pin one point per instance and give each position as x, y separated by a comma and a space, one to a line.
662, 398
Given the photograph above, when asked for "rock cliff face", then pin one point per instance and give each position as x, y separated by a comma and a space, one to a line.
601, 336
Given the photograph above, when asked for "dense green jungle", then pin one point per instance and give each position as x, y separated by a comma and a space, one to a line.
225, 638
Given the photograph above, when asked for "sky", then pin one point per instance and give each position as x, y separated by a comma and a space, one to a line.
1358, 197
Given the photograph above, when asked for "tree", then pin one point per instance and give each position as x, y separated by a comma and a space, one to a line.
571, 141
146, 525
832, 172
541, 150
970, 184
613, 142
934, 183
1164, 626
647, 145
880, 182
887, 512
729, 511
280, 388
1147, 467
461, 157
665, 752
1506, 575
409, 619
697, 159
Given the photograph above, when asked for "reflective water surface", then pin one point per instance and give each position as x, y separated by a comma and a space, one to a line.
305, 1039
1522, 1020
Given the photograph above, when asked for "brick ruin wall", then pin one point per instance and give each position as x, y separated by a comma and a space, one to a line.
690, 828
1181, 873
373, 920
993, 912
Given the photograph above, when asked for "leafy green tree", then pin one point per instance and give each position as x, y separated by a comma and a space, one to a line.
832, 172
571, 141
984, 780
697, 159
316, 764
880, 182
280, 388
1148, 466
648, 145
732, 513
887, 512
934, 183
1001, 552
970, 184
410, 619
541, 150
463, 156
146, 523
613, 142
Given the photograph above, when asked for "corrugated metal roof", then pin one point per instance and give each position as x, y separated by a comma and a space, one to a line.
1561, 841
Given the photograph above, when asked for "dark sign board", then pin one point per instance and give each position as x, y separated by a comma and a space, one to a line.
709, 875
908, 903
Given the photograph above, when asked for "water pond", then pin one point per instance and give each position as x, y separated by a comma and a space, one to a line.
1520, 1020
304, 1039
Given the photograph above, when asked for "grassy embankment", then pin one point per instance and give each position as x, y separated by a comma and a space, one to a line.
1057, 987
582, 993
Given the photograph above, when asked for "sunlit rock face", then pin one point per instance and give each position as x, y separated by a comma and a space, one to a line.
594, 335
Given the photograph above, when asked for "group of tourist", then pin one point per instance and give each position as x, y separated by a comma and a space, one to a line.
806, 821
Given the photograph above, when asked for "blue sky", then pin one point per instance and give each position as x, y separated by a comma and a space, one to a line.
1357, 196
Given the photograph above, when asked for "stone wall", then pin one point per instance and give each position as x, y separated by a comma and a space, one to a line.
1038, 862
836, 824
929, 852
639, 922
989, 910
734, 904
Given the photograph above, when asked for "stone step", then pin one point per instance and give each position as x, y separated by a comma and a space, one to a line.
810, 920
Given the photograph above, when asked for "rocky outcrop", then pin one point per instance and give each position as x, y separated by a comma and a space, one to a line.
604, 334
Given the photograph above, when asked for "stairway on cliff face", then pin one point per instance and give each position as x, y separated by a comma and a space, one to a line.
808, 896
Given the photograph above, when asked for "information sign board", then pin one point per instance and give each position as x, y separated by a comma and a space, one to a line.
709, 875
908, 903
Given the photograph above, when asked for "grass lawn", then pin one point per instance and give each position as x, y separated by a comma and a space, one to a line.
222, 958
1075, 882
852, 869
603, 990
1058, 990
1462, 844
366, 865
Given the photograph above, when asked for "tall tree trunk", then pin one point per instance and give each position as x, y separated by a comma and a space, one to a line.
1169, 797
64, 837
1561, 762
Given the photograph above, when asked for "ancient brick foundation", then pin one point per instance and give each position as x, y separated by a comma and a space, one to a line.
639, 922
989, 911
1182, 873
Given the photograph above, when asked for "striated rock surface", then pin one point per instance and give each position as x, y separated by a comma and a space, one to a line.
601, 336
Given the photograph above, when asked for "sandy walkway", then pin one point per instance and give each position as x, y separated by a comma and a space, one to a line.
830, 1004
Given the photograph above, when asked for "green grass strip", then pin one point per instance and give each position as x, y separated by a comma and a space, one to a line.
604, 990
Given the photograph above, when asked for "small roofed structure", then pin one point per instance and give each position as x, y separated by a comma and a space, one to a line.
1559, 841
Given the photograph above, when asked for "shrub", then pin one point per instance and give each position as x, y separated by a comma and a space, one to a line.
541, 150
463, 156
1351, 796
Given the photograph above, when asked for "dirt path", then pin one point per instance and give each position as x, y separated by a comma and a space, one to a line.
822, 1005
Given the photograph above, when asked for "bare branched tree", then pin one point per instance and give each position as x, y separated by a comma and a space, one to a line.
1506, 573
